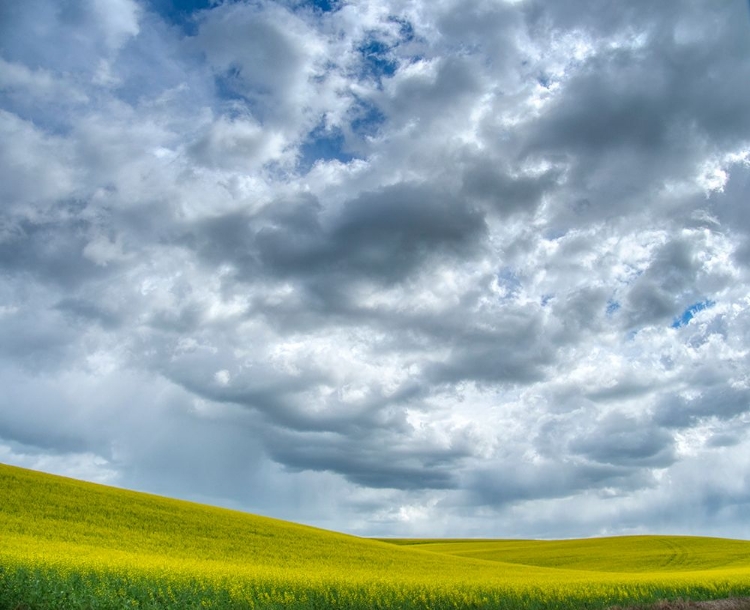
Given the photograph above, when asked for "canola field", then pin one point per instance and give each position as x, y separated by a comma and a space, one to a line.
68, 544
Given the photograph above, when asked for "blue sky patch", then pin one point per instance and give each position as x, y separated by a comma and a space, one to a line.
376, 59
367, 119
406, 29
317, 6
179, 12
612, 307
688, 314
326, 6
323, 145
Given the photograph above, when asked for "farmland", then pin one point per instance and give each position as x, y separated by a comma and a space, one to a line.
69, 544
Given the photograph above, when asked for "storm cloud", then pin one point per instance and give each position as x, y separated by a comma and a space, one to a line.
427, 268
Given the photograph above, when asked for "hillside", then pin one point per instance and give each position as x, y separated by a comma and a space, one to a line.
75, 519
82, 541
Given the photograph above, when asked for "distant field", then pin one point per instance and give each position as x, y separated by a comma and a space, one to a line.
69, 544
637, 554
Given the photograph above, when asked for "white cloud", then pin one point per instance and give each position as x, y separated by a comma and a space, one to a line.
468, 268
18, 79
36, 166
222, 377
118, 19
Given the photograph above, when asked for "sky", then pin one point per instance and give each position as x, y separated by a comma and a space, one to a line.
396, 268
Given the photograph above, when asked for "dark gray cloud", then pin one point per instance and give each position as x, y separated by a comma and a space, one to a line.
713, 402
359, 460
505, 191
88, 312
621, 440
381, 237
39, 341
516, 352
437, 269
52, 251
665, 287
633, 116
551, 480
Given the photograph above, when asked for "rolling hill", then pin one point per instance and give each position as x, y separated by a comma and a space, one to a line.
70, 544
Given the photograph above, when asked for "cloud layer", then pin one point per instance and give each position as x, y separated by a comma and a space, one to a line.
395, 268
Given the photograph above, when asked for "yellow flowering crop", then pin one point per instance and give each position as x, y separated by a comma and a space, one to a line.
69, 544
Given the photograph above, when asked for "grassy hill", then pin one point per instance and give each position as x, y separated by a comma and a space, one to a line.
70, 544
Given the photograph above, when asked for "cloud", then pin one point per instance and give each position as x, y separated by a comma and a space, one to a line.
551, 480
407, 269
382, 235
34, 166
622, 440
713, 402
236, 144
656, 294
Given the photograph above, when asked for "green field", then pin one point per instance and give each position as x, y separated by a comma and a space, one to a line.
69, 544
